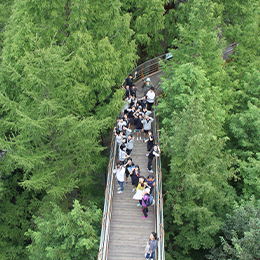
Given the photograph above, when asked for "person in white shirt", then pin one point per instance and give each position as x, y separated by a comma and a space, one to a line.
150, 95
120, 175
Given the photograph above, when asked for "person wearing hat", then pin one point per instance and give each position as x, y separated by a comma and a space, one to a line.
146, 85
150, 95
145, 200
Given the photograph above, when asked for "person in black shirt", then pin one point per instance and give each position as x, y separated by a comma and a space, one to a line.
129, 80
155, 152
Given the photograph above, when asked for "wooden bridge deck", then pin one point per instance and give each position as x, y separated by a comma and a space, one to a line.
129, 233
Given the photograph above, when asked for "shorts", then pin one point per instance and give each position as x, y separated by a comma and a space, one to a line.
127, 173
138, 130
146, 131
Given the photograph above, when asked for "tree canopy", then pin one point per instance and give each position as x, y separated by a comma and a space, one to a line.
60, 67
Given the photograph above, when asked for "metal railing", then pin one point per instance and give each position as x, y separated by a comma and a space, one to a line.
107, 212
150, 67
158, 209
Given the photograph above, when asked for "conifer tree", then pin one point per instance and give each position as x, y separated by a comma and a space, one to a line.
198, 193
243, 70
148, 23
58, 75
241, 230
66, 236
194, 109
60, 64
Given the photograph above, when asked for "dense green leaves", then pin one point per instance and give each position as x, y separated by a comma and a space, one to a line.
198, 194
66, 236
60, 64
148, 23
57, 82
17, 207
209, 128
241, 230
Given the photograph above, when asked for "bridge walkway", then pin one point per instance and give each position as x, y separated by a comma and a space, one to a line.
129, 233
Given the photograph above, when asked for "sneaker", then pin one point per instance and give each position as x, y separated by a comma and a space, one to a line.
147, 155
119, 192
138, 205
133, 190
119, 188
126, 183
144, 217
134, 131
151, 171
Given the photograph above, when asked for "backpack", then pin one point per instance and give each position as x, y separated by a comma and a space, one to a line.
151, 201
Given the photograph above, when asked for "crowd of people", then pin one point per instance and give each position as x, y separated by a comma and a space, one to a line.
136, 120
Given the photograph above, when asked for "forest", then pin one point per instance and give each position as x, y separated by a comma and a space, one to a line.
61, 67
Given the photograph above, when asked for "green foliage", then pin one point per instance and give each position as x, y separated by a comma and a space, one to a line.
194, 108
198, 39
66, 236
58, 90
244, 68
198, 194
242, 125
148, 23
17, 207
245, 128
60, 64
241, 230
5, 12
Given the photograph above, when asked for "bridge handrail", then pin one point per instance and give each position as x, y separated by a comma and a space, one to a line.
107, 211
159, 220
149, 67
152, 66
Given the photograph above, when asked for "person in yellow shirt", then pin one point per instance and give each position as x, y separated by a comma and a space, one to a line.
139, 190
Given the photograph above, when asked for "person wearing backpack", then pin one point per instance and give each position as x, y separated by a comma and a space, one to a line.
145, 203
